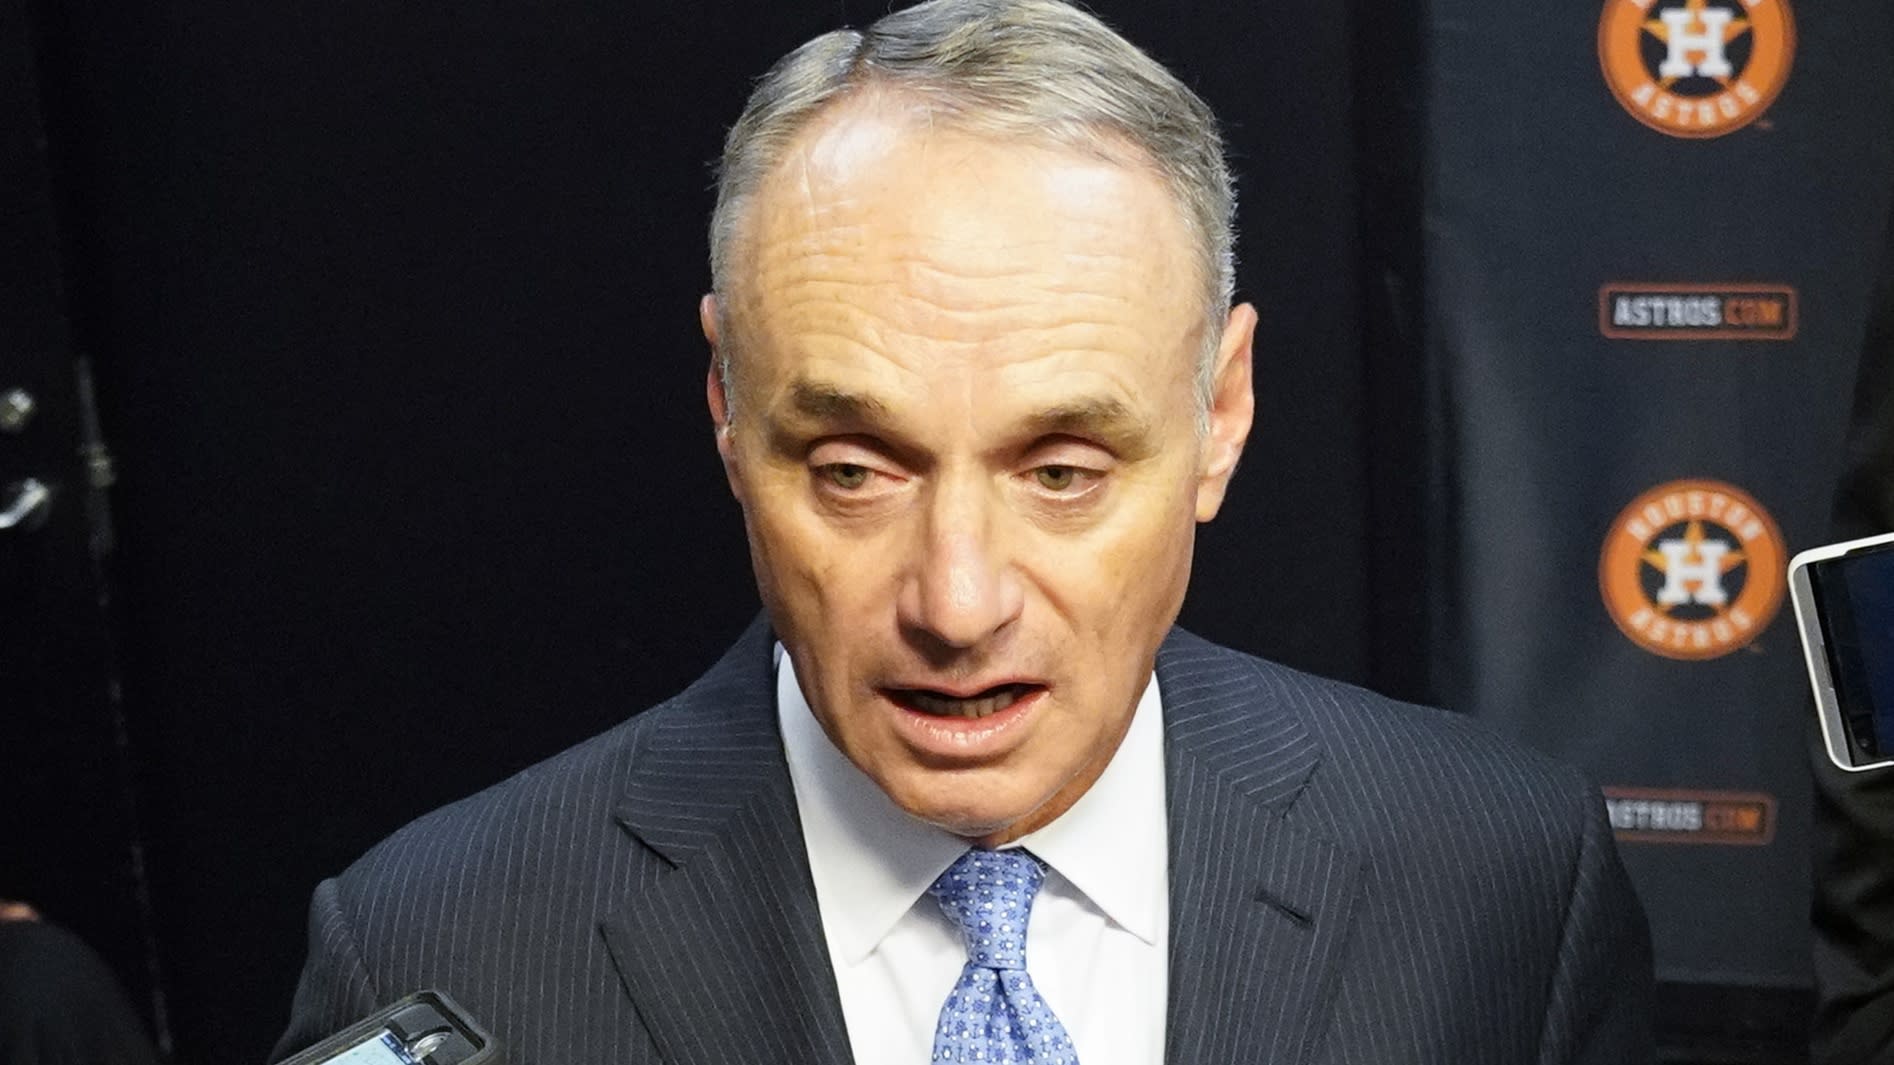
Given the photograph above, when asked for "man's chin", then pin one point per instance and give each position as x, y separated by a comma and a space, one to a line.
980, 833
988, 805
984, 823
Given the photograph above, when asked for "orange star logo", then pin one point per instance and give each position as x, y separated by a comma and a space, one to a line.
1662, 572
1721, 64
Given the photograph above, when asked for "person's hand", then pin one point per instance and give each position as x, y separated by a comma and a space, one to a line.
17, 911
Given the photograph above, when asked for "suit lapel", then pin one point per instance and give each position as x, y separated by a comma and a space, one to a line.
1260, 910
722, 948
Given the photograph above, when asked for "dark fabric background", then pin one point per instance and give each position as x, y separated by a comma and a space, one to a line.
1547, 429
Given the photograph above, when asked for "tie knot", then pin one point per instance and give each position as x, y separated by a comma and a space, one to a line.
989, 895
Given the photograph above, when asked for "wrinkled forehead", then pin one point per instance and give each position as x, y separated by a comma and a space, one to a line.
881, 193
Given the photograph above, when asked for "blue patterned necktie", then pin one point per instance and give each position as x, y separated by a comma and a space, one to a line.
994, 1015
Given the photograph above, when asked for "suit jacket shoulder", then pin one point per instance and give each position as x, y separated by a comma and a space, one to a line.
1437, 892
498, 899
1380, 770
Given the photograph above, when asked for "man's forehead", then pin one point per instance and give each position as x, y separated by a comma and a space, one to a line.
873, 196
854, 135
882, 166
905, 250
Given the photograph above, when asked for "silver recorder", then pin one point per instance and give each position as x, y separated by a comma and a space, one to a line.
1844, 607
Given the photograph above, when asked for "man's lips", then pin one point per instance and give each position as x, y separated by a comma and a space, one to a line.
973, 704
965, 725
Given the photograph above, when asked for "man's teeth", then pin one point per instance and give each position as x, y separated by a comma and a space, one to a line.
979, 706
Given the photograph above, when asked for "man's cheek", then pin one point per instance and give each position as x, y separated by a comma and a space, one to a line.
1107, 561
834, 588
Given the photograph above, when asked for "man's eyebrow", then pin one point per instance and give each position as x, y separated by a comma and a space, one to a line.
1106, 418
832, 404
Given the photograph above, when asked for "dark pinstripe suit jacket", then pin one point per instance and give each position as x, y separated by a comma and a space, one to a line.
1351, 881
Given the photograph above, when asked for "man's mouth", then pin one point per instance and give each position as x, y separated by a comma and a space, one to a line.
980, 704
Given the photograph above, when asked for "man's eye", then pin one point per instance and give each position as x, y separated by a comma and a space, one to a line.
1056, 478
846, 475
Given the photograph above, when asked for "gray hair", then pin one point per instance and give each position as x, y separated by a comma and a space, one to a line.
1038, 70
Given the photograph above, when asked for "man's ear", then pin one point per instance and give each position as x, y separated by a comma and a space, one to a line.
715, 393
1232, 409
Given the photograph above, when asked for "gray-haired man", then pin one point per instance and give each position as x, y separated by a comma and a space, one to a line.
966, 794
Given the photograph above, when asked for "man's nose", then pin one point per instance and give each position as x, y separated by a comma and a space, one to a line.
962, 588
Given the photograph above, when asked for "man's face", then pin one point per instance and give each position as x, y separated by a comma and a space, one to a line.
963, 431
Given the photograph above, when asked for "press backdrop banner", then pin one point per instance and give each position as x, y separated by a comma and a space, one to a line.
1651, 233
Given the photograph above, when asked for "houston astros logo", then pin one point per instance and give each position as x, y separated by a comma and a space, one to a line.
1696, 68
1692, 569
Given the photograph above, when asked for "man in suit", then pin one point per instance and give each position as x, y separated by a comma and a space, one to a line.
965, 794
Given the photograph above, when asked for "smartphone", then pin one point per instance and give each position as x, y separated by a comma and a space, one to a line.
425, 1028
1844, 607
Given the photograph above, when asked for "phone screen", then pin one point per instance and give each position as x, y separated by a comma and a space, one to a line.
1854, 595
380, 1049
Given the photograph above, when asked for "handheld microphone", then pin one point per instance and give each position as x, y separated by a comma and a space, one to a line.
425, 1028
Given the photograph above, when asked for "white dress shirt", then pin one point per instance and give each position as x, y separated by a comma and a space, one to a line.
1098, 941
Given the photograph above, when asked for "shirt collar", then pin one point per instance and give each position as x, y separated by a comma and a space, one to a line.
871, 860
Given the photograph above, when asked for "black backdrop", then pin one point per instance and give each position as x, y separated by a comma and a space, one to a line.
1539, 204
392, 307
